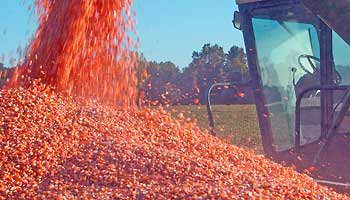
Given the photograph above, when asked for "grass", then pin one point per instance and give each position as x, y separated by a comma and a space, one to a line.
236, 123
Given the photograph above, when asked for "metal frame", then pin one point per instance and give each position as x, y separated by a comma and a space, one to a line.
326, 54
329, 126
326, 69
325, 40
252, 58
264, 122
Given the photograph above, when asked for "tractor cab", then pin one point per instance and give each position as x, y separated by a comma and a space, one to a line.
298, 56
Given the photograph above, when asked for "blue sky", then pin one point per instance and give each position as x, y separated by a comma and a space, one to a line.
169, 30
16, 26
172, 30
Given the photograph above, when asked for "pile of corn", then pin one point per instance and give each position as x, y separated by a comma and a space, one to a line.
68, 148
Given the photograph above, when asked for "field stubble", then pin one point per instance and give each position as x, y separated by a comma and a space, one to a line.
237, 124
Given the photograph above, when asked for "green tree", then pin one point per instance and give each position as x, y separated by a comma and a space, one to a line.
162, 83
205, 69
141, 74
167, 84
236, 63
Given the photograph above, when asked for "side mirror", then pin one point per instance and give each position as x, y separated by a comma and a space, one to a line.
237, 20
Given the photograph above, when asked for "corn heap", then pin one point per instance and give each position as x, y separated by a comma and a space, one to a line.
66, 148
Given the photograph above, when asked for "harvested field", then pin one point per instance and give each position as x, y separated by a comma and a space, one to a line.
236, 124
68, 148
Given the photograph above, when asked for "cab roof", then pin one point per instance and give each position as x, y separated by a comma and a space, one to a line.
247, 1
334, 13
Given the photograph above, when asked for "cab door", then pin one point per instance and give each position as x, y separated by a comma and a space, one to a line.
283, 35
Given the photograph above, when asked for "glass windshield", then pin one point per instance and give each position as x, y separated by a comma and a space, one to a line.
283, 49
341, 56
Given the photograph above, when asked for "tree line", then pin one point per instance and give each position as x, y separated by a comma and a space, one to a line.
164, 83
5, 73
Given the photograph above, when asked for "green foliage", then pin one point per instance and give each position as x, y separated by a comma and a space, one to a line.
236, 62
206, 68
5, 73
166, 84
162, 83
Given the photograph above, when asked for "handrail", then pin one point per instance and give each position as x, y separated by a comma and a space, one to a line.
210, 113
335, 125
298, 103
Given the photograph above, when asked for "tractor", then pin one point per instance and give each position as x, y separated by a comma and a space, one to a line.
298, 56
